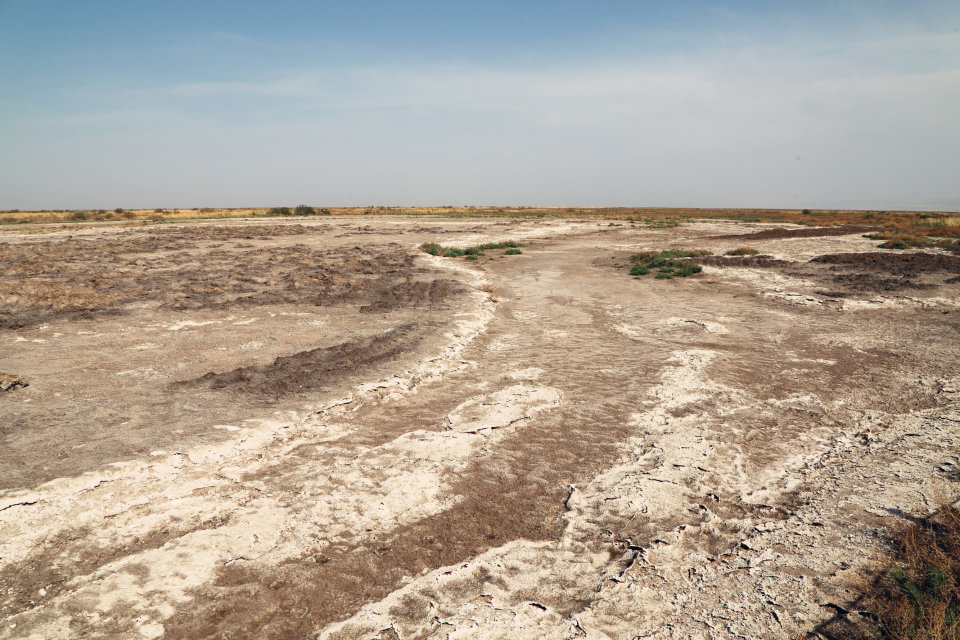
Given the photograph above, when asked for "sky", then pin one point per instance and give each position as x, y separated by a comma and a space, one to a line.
750, 103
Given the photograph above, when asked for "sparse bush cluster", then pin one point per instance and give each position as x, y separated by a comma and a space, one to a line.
655, 223
300, 210
668, 264
909, 241
923, 230
100, 215
471, 253
741, 251
898, 240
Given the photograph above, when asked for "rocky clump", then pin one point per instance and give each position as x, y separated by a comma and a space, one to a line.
10, 382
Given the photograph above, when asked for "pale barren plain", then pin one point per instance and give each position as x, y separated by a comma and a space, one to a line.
311, 429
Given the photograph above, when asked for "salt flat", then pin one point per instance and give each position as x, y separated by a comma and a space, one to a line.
297, 430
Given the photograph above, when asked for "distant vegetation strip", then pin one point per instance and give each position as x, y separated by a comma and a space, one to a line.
16, 216
898, 229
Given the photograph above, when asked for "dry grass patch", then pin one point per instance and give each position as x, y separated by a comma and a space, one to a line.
918, 597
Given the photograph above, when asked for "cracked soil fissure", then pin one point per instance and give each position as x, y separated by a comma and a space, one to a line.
530, 446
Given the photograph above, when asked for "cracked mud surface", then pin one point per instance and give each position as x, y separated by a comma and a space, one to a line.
313, 431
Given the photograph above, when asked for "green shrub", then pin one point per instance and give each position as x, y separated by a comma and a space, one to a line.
512, 252
435, 249
668, 263
79, 215
280, 211
741, 251
500, 245
304, 210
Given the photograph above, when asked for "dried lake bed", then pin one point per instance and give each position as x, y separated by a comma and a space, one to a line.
312, 429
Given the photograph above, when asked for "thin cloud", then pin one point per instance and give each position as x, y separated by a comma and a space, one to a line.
824, 124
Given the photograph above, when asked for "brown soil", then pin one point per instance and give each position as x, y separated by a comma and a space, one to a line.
314, 369
85, 278
759, 262
815, 232
904, 264
849, 274
868, 273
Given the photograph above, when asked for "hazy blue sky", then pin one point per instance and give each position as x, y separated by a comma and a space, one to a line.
751, 103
